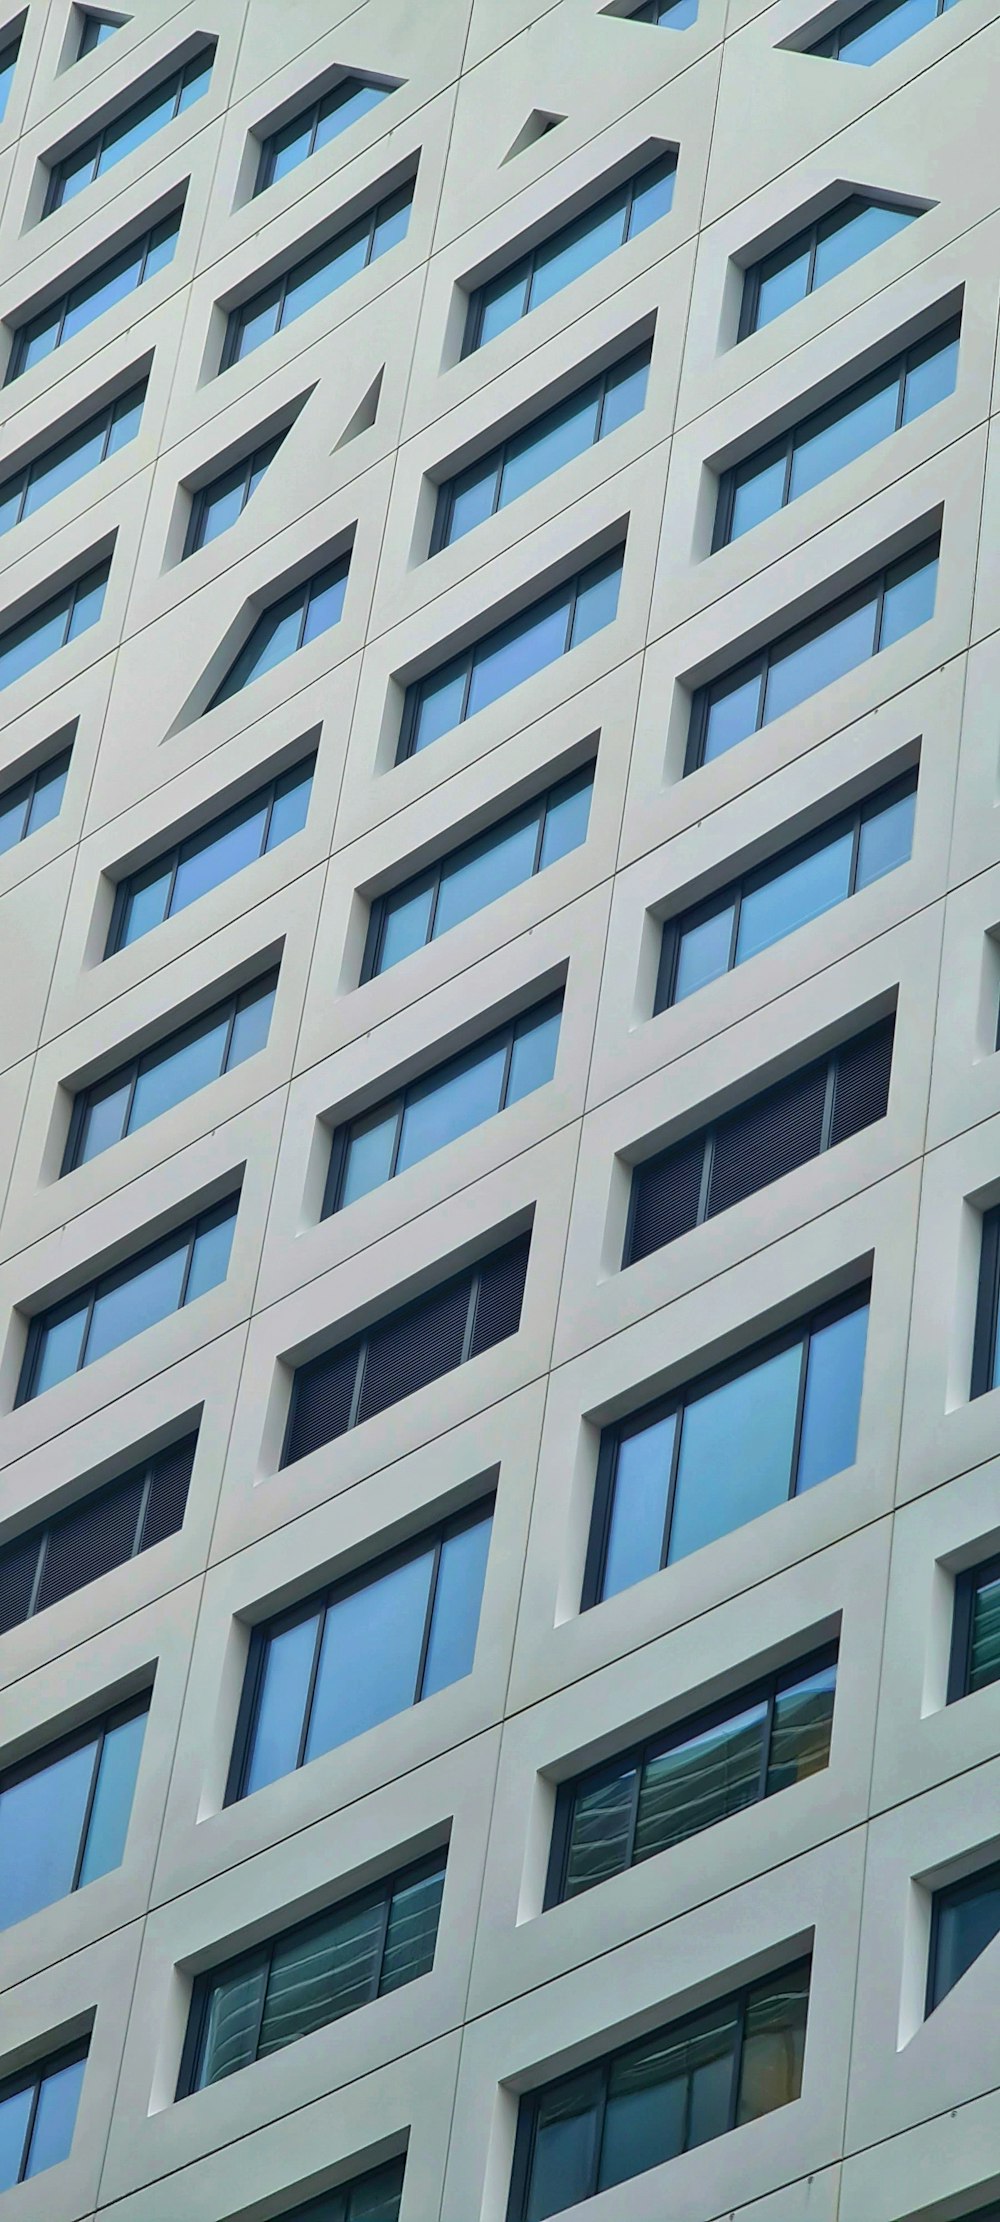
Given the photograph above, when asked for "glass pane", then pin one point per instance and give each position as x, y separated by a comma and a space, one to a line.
758, 490
345, 105
274, 637
104, 1119
405, 926
518, 650
290, 808
910, 593
485, 870
253, 324
126, 417
220, 504
392, 221
549, 443
677, 14
232, 2021
578, 246
280, 1707
625, 392
644, 2117
819, 654
439, 1109
833, 1398
736, 1453
471, 498
210, 1261
800, 891
597, 597
38, 338
639, 1505
14, 809
162, 241
136, 1298
222, 850
502, 302
886, 839
930, 375
40, 1822
457, 1599
321, 1973
195, 79
88, 602
370, 1654
331, 266
14, 2113
564, 2150
801, 1729
984, 1648
533, 1056
63, 465
703, 952
652, 195
55, 2117
24, 646
140, 122
74, 173
113, 282
853, 232
171, 1074
878, 30
844, 432
11, 492
288, 147
733, 711
326, 602
251, 1025
61, 1347
774, 2039
439, 700
783, 280
50, 786
146, 903
966, 1923
696, 1783
566, 818
600, 1830
112, 1807
412, 1932
368, 1158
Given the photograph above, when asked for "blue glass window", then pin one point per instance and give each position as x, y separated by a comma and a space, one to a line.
370, 2198
128, 130
371, 1646
8, 64
317, 275
832, 437
800, 663
92, 296
94, 30
218, 505
818, 253
70, 458
286, 626
568, 251
53, 624
877, 29
313, 127
38, 2115
64, 1813
801, 883
33, 801
965, 1918
189, 869
153, 1283
508, 654
188, 1059
727, 1447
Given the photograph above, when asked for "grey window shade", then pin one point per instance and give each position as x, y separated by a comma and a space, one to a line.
115, 1523
862, 1088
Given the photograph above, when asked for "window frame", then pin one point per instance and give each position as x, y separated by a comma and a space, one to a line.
93, 1730
668, 157
32, 2077
750, 301
254, 990
353, 78
238, 317
179, 76
175, 850
141, 243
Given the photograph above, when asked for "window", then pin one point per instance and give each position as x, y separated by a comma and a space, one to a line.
727, 1447
190, 868
372, 2198
965, 1918
815, 255
317, 275
286, 626
8, 64
508, 654
129, 129
985, 1348
975, 1645
671, 15
33, 801
52, 624
800, 883
832, 437
690, 2081
369, 1647
313, 127
456, 1321
38, 2115
877, 29
112, 281
508, 853
64, 1813
543, 446
94, 29
430, 1113
736, 1156
313, 1974
102, 1530
218, 505
70, 458
646, 1800
188, 1059
569, 250
154, 1282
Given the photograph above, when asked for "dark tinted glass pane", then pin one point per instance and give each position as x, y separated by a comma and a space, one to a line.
321, 1401
763, 1140
407, 1352
984, 1648
694, 1784
171, 1475
564, 2149
774, 2036
665, 1196
97, 1534
599, 1836
668, 2095
801, 1729
498, 1303
322, 1972
862, 1083
232, 2018
412, 1932
17, 1575
966, 1920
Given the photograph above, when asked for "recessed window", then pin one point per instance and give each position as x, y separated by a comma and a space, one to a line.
92, 296
521, 844
477, 1084
965, 1918
187, 1060
286, 626
986, 1344
800, 663
802, 882
311, 1975
830, 438
64, 1813
9, 52
543, 446
569, 250
877, 29
32, 802
317, 275
815, 255
38, 2115
425, 1339
71, 458
94, 30
689, 2082
53, 624
215, 507
669, 15
727, 1447
129, 129
189, 869
314, 127
660, 1793
975, 1648
75, 1547
374, 2197
157, 1280
371, 1646
508, 654
736, 1156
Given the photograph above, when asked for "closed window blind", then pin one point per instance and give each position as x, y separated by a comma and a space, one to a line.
113, 1524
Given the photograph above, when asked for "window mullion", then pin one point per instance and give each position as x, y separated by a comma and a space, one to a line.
428, 1620
432, 914
705, 1184
467, 687
268, 1959
766, 1741
787, 480
188, 1262
735, 931
571, 614
811, 271
633, 1821
799, 1413
29, 2127
88, 1323
738, 2043
879, 613
313, 1677
140, 1518
398, 1136
675, 1454
36, 1579
543, 811
129, 1107
602, 2112
378, 1964
359, 1375
829, 1099
230, 1030
507, 1062
81, 1849
852, 877
470, 1316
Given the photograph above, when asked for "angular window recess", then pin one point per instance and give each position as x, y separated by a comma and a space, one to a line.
965, 1918
646, 2103
727, 1447
406, 1349
506, 655
830, 438
218, 505
365, 413
797, 1119
569, 250
38, 2114
659, 1793
975, 1645
877, 29
52, 624
986, 1344
176, 1067
129, 129
798, 884
369, 1647
188, 869
95, 29
306, 1977
444, 1103
155, 1281
536, 126
858, 225
33, 801
513, 850
9, 52
71, 457
670, 15
317, 275
542, 446
100, 1531
800, 663
287, 625
91, 297
64, 1813
374, 2197
314, 126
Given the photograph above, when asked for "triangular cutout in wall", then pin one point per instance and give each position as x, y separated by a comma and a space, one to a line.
537, 124
365, 413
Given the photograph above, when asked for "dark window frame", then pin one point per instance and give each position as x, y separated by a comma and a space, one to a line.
142, 244
354, 79
299, 773
668, 158
180, 75
949, 1894
252, 991
807, 232
94, 1730
32, 2077
374, 214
